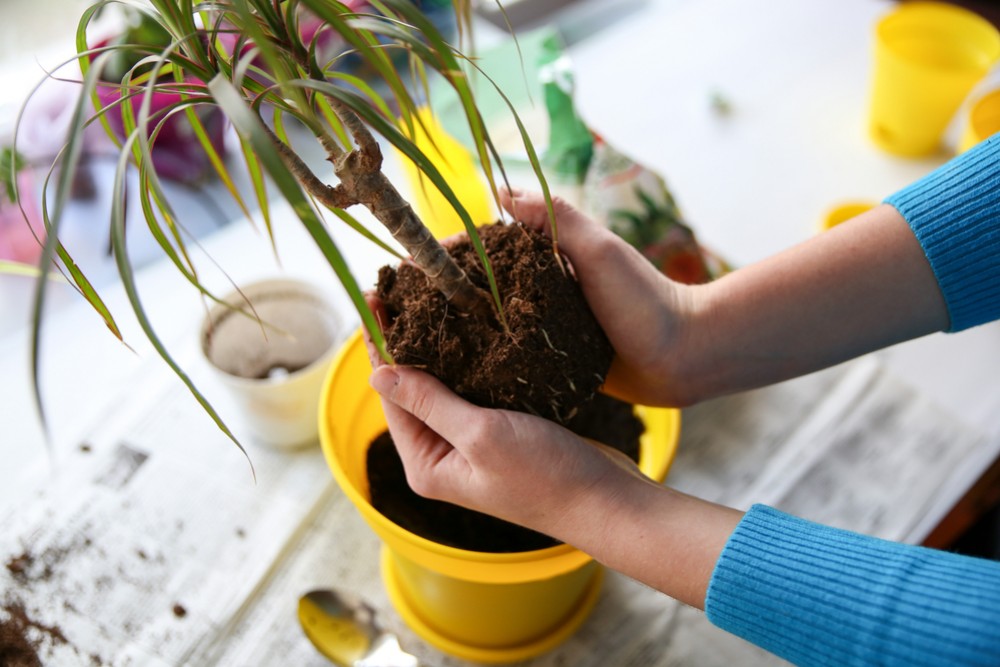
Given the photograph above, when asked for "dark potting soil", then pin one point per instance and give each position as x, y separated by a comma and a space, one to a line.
554, 356
550, 362
22, 637
604, 419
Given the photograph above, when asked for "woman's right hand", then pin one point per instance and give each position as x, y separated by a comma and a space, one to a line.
643, 313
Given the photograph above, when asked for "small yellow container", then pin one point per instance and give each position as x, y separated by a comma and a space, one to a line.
928, 57
459, 169
982, 122
845, 211
486, 607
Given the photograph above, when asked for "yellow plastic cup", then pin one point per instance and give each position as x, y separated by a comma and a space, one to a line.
845, 211
982, 122
928, 56
485, 607
458, 168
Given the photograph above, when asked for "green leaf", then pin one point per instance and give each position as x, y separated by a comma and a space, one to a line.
69, 157
10, 163
353, 223
128, 282
250, 126
30, 270
533, 159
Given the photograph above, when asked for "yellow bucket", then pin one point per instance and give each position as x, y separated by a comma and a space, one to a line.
845, 211
486, 607
928, 57
983, 121
459, 169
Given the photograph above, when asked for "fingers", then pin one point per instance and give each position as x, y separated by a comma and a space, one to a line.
416, 406
378, 309
425, 399
530, 209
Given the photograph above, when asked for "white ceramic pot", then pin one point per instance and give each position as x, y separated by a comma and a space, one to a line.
271, 348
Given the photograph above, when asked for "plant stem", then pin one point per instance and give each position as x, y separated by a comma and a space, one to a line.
362, 182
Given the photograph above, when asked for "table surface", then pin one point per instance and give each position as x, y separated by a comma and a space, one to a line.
751, 183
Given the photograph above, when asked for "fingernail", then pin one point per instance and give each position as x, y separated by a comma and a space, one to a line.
515, 192
373, 357
384, 380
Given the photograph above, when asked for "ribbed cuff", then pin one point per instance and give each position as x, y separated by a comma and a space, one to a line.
955, 213
817, 595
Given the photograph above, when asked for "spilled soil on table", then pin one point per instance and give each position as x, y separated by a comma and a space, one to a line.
22, 637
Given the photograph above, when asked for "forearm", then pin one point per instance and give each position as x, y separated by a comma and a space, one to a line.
928, 262
820, 595
661, 537
859, 287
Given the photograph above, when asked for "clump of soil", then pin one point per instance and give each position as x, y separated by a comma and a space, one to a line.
603, 419
551, 361
21, 637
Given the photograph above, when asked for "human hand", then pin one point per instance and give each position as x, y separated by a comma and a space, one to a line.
511, 465
539, 475
642, 312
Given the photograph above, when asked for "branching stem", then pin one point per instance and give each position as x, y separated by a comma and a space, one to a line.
362, 182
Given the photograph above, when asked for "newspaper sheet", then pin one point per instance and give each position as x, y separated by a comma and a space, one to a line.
152, 544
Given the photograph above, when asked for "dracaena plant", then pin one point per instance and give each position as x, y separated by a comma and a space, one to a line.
254, 61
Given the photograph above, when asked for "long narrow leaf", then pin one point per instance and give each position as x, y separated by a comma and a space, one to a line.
353, 223
71, 158
529, 147
257, 179
250, 126
11, 268
128, 282
79, 280
337, 17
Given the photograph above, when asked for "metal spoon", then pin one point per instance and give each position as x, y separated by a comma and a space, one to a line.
343, 627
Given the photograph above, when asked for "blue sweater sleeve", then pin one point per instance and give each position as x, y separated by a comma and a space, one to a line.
817, 595
955, 213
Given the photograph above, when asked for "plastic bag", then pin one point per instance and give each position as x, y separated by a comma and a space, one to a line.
630, 199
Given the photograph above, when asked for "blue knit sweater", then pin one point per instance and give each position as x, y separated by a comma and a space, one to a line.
817, 595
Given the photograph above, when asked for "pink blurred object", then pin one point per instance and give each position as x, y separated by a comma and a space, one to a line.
17, 242
177, 153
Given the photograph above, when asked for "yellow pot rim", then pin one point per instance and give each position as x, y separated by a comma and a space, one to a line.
485, 567
954, 18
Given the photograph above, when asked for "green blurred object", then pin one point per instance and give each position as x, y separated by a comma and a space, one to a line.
579, 164
513, 67
10, 163
571, 144
142, 31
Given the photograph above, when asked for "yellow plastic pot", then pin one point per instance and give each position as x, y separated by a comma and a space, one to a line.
458, 167
844, 211
486, 607
983, 121
928, 57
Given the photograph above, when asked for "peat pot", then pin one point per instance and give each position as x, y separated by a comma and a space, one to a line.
485, 607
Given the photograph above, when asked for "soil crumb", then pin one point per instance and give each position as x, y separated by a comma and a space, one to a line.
21, 637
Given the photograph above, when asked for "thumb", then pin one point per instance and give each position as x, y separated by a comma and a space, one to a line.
424, 397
